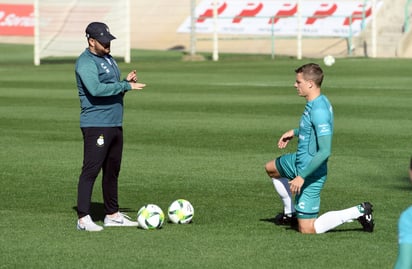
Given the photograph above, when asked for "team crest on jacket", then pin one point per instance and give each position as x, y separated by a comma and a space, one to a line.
100, 141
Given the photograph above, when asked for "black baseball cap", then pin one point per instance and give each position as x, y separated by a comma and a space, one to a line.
100, 32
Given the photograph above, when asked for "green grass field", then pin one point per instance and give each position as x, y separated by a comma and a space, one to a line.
201, 131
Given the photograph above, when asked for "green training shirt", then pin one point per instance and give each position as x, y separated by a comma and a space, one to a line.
315, 138
404, 259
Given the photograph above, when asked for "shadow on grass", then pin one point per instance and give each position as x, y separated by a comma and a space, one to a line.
98, 213
402, 184
287, 227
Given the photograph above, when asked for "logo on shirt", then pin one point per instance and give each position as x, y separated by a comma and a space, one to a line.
106, 69
324, 128
100, 141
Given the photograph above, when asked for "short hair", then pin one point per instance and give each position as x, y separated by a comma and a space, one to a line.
311, 71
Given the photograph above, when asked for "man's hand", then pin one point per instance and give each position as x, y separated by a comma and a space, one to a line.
132, 76
296, 184
285, 138
137, 86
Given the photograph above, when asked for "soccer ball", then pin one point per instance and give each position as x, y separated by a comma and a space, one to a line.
181, 211
150, 217
329, 60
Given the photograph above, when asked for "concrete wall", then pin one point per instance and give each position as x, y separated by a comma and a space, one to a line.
404, 49
390, 20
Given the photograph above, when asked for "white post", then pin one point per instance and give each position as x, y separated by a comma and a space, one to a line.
299, 34
36, 33
215, 35
127, 57
193, 27
374, 30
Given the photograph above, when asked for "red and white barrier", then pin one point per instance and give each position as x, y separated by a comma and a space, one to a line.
265, 17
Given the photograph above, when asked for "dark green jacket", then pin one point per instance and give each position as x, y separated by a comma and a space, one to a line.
100, 90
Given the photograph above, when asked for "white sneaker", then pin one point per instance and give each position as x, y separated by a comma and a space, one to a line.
121, 220
86, 224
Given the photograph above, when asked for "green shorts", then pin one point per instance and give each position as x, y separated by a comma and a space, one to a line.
307, 203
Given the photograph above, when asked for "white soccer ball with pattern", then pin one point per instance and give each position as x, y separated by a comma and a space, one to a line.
150, 217
181, 211
329, 60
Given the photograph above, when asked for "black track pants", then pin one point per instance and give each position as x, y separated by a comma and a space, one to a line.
103, 147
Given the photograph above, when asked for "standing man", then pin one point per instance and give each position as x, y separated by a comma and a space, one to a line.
101, 99
304, 172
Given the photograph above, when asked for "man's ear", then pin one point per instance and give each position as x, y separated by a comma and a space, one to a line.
91, 42
311, 83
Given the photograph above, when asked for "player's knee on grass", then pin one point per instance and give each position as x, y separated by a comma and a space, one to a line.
306, 226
